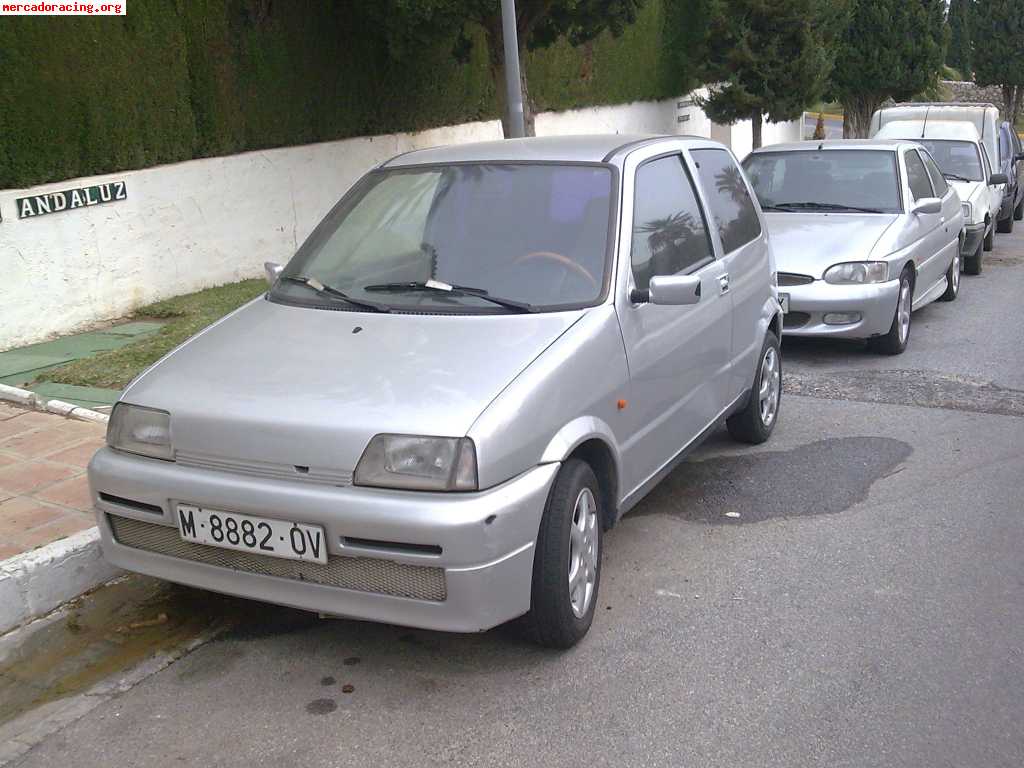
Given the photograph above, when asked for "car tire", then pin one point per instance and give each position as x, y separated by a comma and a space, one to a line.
896, 340
568, 542
952, 278
754, 424
1018, 212
972, 263
990, 239
1005, 226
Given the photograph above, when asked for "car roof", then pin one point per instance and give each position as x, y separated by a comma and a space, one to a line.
932, 129
817, 146
590, 148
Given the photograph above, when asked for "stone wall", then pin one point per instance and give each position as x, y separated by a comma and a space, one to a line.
968, 91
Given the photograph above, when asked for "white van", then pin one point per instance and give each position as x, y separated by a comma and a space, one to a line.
957, 148
983, 116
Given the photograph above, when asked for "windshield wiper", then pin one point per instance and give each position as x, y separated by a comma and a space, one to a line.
816, 206
465, 290
955, 177
316, 285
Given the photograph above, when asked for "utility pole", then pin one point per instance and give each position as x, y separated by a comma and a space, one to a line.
513, 82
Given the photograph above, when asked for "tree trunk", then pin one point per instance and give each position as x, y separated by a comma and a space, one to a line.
755, 129
857, 112
1008, 100
1018, 102
496, 59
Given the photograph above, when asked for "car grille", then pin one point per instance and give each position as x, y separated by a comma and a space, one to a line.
795, 319
787, 279
363, 574
266, 469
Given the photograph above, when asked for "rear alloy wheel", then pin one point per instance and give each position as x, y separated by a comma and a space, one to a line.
972, 264
952, 278
754, 424
990, 239
567, 559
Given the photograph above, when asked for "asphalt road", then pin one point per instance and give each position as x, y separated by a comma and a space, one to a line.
866, 608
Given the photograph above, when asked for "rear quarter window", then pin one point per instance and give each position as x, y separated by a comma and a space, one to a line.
728, 198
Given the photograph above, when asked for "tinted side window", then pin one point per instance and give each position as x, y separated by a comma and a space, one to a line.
669, 231
938, 180
917, 176
728, 199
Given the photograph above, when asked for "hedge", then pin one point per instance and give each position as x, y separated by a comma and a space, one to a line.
172, 81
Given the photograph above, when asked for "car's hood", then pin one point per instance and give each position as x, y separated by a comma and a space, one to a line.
969, 191
809, 243
304, 387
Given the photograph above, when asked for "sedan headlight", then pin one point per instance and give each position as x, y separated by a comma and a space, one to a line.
857, 272
968, 210
418, 463
145, 431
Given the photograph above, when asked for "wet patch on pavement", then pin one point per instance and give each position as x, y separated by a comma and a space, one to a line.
321, 706
820, 478
103, 634
927, 389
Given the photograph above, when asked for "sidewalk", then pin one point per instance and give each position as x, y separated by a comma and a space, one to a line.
44, 495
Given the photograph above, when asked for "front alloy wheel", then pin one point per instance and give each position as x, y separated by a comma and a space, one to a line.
567, 559
952, 278
895, 341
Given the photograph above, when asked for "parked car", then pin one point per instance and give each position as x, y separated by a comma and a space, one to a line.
961, 156
864, 232
984, 116
1011, 164
476, 363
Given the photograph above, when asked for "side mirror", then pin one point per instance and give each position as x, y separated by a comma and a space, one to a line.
272, 270
1018, 157
998, 178
927, 205
672, 290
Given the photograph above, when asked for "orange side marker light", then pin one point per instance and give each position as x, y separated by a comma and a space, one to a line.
622, 405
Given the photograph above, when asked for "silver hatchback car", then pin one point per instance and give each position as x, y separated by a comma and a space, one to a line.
480, 359
865, 232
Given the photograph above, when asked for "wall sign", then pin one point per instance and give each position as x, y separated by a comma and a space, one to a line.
83, 197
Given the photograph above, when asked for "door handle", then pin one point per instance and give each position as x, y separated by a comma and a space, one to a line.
723, 283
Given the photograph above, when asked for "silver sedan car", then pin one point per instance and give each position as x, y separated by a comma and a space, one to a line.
864, 232
480, 359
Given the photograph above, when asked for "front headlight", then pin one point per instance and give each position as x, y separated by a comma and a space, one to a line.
145, 431
418, 463
857, 272
968, 210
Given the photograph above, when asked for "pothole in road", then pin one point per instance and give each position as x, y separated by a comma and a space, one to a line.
821, 478
928, 389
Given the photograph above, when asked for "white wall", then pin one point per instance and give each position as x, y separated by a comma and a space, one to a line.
206, 222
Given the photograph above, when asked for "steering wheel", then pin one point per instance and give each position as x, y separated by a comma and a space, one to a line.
563, 261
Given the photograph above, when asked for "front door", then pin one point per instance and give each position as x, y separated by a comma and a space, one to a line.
678, 355
926, 229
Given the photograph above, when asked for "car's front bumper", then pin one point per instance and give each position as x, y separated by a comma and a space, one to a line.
809, 304
481, 544
973, 235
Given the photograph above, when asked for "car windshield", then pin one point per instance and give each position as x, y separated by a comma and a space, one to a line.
957, 159
441, 238
838, 180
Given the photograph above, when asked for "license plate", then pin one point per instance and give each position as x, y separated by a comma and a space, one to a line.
784, 301
256, 535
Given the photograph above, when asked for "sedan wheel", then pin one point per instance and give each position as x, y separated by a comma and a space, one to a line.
895, 341
583, 553
952, 279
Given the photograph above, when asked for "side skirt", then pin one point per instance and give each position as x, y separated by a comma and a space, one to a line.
637, 495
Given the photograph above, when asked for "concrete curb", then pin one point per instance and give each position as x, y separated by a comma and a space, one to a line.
58, 407
34, 583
